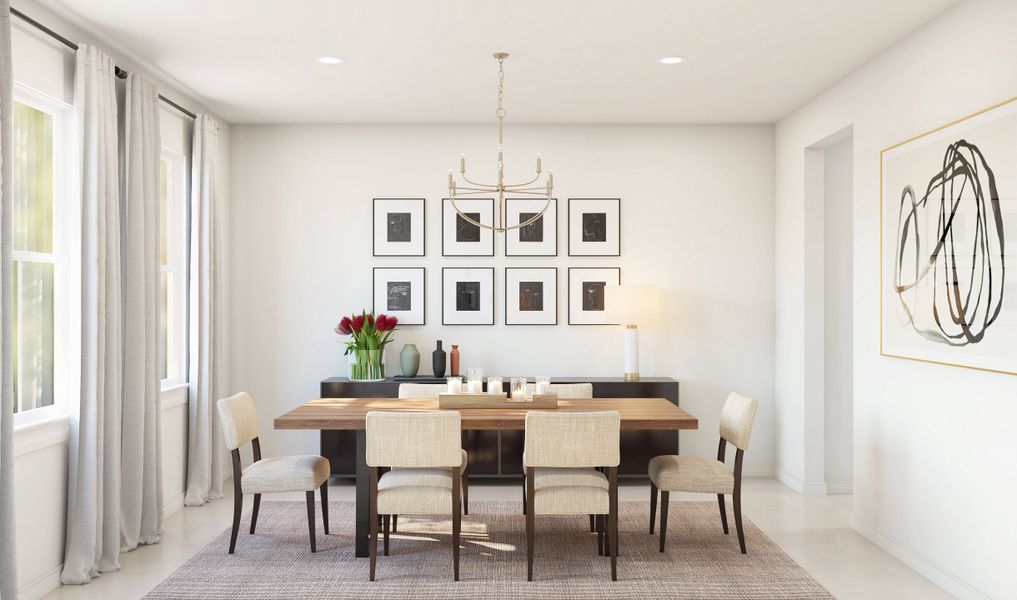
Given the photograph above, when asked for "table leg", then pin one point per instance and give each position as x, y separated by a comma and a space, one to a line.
363, 498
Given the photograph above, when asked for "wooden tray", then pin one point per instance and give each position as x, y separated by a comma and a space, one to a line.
457, 401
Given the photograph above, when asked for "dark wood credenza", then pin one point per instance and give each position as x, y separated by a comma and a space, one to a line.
500, 453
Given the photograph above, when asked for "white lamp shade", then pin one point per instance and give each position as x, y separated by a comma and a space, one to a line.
632, 304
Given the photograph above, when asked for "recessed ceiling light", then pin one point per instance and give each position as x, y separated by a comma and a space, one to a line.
672, 60
331, 60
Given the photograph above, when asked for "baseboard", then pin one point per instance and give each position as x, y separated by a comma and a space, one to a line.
173, 505
919, 563
805, 488
41, 586
844, 488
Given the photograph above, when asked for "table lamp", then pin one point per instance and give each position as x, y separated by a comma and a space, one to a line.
632, 305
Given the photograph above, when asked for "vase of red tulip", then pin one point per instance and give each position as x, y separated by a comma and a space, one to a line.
366, 349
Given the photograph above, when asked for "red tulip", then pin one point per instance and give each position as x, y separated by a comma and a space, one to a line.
345, 326
387, 323
358, 323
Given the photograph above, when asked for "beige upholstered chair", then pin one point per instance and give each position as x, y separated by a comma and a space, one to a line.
562, 454
696, 474
424, 454
301, 473
433, 390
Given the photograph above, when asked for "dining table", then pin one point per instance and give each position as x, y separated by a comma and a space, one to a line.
351, 414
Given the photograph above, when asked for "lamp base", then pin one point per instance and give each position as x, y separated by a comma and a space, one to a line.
632, 377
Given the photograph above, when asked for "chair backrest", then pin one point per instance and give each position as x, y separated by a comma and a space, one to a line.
414, 439
239, 420
572, 439
421, 390
566, 390
736, 420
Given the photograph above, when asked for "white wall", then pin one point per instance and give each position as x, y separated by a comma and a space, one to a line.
697, 219
40, 465
934, 474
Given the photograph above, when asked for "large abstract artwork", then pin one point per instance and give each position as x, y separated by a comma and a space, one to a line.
949, 231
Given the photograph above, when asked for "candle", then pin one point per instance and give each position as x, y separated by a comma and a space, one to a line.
450, 179
455, 385
543, 385
474, 386
538, 162
494, 385
462, 163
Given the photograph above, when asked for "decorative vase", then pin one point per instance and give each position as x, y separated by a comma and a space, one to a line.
367, 365
409, 360
438, 361
454, 360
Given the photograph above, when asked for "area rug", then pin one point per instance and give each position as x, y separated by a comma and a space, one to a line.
699, 562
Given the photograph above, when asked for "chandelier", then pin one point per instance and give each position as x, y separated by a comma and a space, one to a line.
475, 189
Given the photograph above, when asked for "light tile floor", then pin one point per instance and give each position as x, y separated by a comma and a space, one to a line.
813, 530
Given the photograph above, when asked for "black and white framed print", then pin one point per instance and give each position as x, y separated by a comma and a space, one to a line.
400, 292
399, 227
459, 237
587, 294
467, 296
539, 238
594, 227
531, 295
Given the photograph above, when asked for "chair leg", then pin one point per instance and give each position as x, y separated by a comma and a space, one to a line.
310, 519
530, 525
324, 505
372, 519
254, 513
598, 524
664, 502
395, 523
524, 494
723, 512
466, 491
238, 506
385, 521
653, 506
738, 518
613, 519
593, 523
457, 522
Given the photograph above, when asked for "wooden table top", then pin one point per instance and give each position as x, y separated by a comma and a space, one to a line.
350, 413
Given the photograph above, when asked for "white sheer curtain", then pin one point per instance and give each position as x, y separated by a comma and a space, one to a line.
141, 473
93, 505
205, 447
8, 564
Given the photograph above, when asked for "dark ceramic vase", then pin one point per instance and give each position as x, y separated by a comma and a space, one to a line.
438, 361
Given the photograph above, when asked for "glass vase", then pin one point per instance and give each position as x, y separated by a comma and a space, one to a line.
367, 365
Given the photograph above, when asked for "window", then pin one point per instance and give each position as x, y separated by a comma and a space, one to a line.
36, 273
172, 253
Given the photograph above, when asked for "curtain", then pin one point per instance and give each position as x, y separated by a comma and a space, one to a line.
205, 447
93, 509
8, 564
141, 471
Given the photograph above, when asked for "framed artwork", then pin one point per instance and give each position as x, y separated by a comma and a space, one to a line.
539, 238
586, 293
531, 295
594, 227
459, 237
399, 227
467, 296
949, 229
400, 292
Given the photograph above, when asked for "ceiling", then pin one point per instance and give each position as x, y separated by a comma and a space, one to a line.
572, 61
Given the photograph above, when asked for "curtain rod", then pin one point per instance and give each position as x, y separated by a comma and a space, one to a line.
122, 74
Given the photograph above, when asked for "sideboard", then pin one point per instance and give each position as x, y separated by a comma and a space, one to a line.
500, 453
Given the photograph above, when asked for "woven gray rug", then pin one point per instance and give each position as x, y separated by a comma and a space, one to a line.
700, 562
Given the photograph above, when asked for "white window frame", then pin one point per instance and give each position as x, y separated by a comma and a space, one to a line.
176, 256
66, 250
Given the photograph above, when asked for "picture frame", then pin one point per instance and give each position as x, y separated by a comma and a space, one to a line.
586, 293
594, 227
947, 209
459, 237
537, 239
400, 292
399, 227
531, 295
467, 296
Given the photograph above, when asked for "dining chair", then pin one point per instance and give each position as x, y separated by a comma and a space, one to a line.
672, 473
300, 473
562, 455
423, 453
433, 390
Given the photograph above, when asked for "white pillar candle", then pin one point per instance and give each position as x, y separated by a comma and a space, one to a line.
474, 386
455, 385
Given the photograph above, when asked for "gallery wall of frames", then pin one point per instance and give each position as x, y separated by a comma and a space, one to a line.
469, 287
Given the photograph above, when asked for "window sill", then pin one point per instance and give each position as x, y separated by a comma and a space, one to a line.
42, 432
172, 394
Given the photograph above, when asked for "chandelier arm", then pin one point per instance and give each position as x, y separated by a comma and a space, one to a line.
542, 194
535, 178
541, 188
485, 190
471, 182
502, 229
